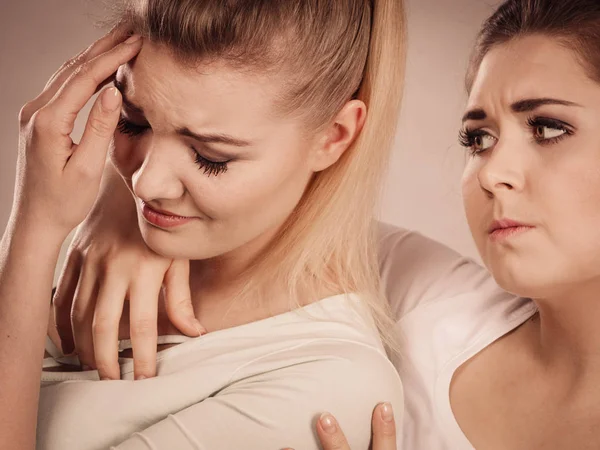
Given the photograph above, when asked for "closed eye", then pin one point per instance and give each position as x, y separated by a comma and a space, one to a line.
208, 166
131, 129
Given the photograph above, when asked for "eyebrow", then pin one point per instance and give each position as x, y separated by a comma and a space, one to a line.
475, 114
214, 138
527, 105
211, 138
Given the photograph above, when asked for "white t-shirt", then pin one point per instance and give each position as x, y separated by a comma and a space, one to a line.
258, 386
447, 308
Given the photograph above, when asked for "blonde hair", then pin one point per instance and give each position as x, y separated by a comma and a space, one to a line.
329, 53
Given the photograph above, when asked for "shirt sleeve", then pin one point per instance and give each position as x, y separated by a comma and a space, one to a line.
275, 410
415, 269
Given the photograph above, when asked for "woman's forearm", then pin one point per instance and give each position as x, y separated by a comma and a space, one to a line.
28, 255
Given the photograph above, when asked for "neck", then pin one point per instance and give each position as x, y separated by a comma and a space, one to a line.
216, 283
568, 332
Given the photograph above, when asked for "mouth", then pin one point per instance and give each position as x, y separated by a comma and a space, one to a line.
501, 230
163, 219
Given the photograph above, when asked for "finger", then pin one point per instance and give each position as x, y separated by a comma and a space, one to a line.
111, 39
330, 434
384, 427
144, 323
63, 301
89, 156
102, 45
82, 314
105, 325
178, 299
83, 82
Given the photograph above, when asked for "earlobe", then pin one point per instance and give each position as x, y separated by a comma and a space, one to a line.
340, 135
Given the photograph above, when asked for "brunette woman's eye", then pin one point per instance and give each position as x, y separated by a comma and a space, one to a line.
548, 131
476, 141
544, 133
129, 128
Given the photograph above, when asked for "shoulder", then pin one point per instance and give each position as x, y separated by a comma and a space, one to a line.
347, 379
416, 269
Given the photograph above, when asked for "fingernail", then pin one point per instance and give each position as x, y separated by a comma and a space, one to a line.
111, 99
105, 378
85, 367
387, 413
328, 423
132, 39
141, 377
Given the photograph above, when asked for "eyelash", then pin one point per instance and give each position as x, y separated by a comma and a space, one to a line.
215, 168
467, 136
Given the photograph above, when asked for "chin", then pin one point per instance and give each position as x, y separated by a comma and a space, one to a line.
517, 287
163, 246
173, 245
528, 280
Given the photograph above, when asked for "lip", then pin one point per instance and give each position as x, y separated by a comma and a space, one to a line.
503, 229
163, 219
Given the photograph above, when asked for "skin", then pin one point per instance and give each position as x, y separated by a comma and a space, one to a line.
537, 386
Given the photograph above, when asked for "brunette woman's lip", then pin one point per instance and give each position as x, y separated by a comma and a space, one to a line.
503, 229
502, 234
163, 219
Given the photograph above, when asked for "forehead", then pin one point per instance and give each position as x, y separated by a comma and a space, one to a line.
531, 67
207, 95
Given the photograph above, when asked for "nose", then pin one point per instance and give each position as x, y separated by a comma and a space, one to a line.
503, 171
156, 178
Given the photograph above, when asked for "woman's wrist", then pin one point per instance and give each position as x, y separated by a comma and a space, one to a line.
34, 238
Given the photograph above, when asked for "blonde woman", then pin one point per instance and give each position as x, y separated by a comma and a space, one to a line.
252, 137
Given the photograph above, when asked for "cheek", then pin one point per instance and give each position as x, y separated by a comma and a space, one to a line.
256, 191
472, 195
573, 202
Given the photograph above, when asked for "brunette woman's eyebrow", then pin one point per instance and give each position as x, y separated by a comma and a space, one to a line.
475, 114
526, 105
531, 104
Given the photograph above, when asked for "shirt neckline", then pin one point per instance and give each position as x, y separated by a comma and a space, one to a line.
126, 364
449, 424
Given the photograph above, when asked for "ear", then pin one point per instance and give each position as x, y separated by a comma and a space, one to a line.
339, 135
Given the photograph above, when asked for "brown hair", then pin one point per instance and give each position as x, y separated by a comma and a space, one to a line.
574, 23
328, 52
